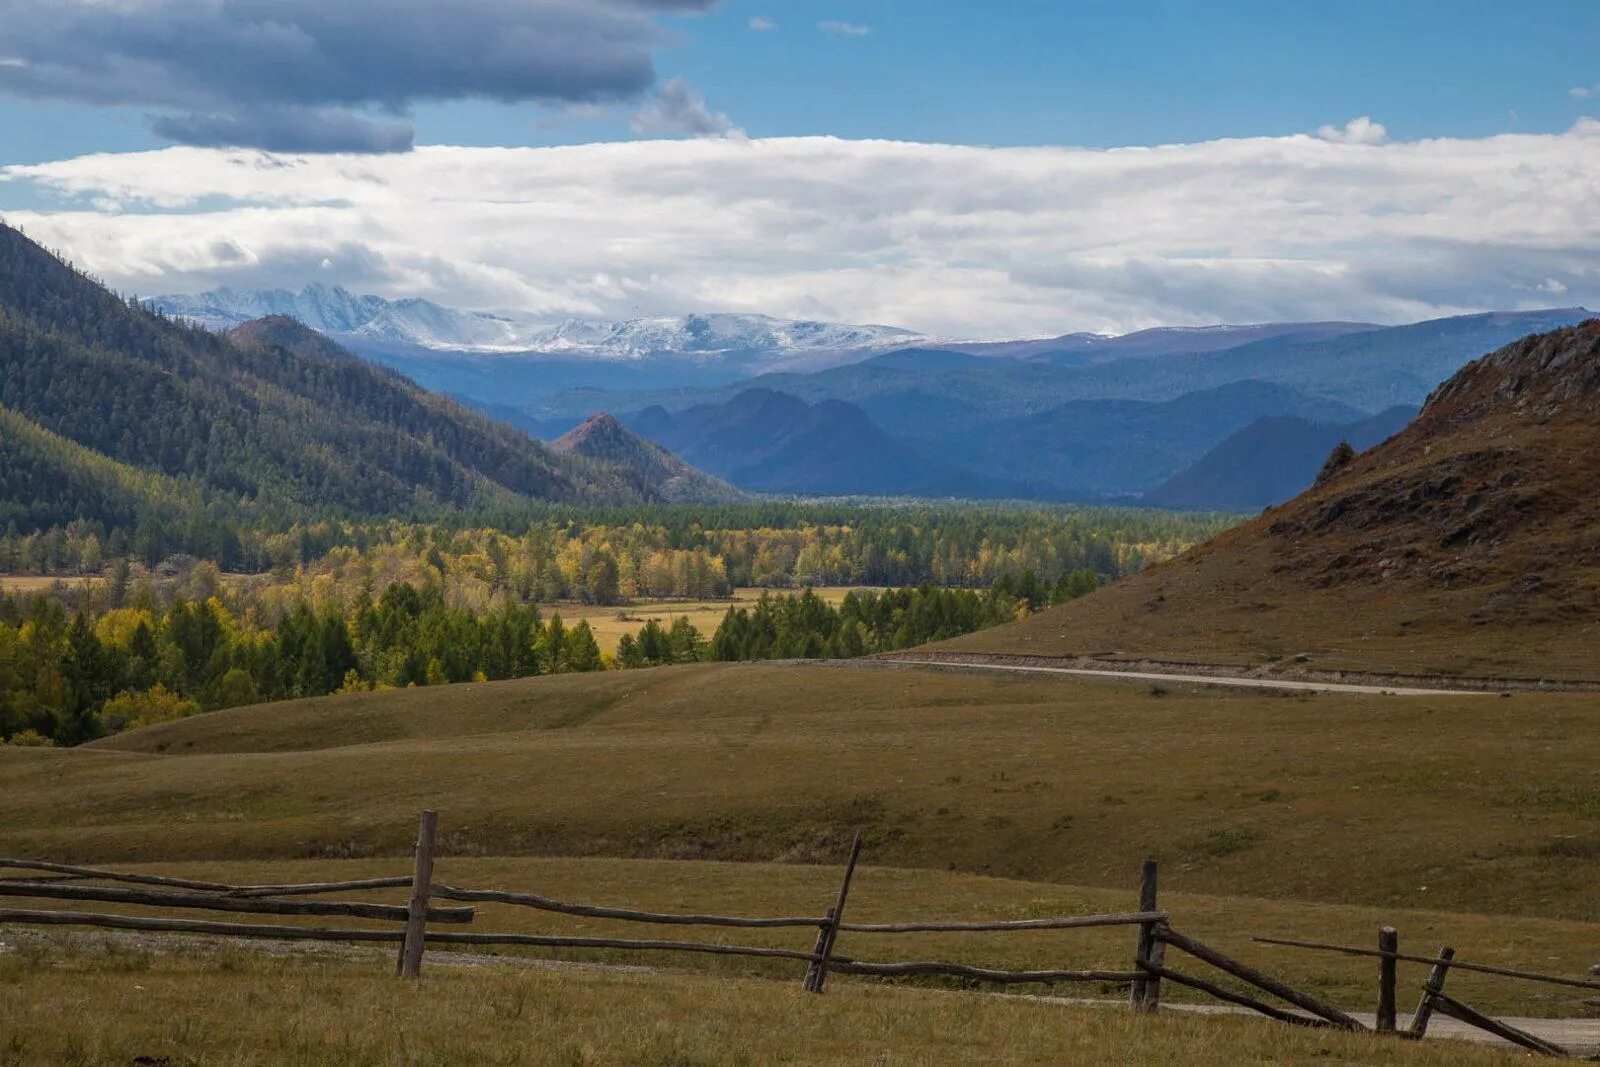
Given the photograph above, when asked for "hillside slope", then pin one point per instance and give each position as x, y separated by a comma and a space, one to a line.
601, 437
307, 425
1465, 544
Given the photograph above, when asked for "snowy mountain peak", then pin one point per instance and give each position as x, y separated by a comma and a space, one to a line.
424, 324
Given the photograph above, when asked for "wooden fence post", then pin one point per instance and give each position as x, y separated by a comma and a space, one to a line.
409, 962
817, 972
1146, 992
1388, 942
1436, 977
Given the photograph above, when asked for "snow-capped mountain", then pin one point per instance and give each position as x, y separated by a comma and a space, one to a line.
424, 324
336, 311
712, 335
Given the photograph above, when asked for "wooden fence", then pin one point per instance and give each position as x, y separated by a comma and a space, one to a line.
1150, 967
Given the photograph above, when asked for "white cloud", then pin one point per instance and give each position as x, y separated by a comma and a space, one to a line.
1357, 131
762, 24
1584, 92
835, 28
949, 239
676, 107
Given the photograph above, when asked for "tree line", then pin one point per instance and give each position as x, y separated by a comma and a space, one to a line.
615, 555
70, 676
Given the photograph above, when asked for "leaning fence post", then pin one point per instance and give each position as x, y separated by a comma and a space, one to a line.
817, 972
1146, 992
1435, 986
409, 963
1388, 943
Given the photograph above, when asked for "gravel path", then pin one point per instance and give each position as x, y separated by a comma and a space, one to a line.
1238, 681
1578, 1036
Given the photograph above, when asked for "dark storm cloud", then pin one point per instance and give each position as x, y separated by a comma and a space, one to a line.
259, 71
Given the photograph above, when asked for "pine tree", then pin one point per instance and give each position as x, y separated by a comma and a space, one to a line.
582, 650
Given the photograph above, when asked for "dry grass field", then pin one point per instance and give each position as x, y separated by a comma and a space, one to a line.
610, 623
24, 584
90, 1007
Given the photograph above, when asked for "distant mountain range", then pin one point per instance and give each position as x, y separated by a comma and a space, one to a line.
426, 325
1055, 427
776, 443
1270, 461
1087, 349
809, 407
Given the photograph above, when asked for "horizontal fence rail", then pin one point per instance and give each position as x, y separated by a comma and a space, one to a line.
114, 876
68, 871
151, 924
1455, 964
982, 974
218, 902
1070, 922
534, 900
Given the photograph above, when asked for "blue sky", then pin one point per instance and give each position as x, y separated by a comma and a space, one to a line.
1077, 73
964, 169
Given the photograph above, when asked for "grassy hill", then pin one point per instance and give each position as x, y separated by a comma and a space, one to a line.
1063, 780
1464, 545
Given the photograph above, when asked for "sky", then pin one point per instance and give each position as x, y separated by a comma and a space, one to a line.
971, 170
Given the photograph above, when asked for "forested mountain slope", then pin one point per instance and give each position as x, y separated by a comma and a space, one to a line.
601, 437
47, 480
1465, 544
245, 418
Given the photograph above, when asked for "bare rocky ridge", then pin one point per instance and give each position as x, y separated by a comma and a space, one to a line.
1467, 544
